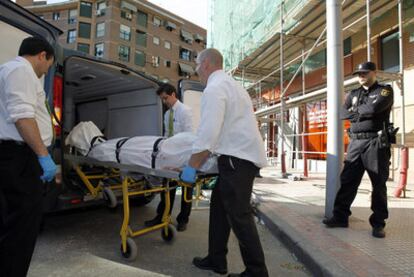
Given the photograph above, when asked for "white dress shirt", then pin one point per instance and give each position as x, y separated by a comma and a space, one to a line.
228, 125
183, 119
22, 96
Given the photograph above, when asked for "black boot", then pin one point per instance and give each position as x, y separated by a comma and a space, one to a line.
155, 221
378, 232
334, 223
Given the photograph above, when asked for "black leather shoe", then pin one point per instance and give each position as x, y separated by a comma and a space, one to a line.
334, 223
181, 227
153, 222
378, 232
205, 264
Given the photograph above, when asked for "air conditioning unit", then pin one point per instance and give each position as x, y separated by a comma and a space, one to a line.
128, 16
155, 61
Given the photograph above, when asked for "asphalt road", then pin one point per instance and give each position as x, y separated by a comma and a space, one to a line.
86, 243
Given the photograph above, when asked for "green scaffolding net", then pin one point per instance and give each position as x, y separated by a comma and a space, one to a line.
238, 27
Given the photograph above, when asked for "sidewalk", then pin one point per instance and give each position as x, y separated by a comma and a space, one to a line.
293, 210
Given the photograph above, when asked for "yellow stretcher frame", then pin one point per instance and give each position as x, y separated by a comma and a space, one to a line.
128, 245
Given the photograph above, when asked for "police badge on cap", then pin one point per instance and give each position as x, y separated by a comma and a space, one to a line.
365, 67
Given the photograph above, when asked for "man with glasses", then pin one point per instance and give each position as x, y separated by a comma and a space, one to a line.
368, 108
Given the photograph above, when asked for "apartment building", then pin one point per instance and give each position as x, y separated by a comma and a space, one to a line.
136, 33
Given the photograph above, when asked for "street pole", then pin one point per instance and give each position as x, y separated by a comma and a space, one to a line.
368, 31
335, 82
282, 101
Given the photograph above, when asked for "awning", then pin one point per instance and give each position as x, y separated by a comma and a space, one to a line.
186, 68
169, 24
186, 35
198, 37
128, 6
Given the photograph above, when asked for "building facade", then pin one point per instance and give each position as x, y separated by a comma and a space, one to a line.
136, 33
252, 54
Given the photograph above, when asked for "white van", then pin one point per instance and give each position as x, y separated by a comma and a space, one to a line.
119, 100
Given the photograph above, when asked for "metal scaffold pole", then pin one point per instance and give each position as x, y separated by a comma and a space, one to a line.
282, 101
401, 43
368, 30
335, 80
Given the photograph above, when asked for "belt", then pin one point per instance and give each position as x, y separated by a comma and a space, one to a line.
12, 142
367, 135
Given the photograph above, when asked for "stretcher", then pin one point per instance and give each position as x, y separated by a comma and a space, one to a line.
134, 182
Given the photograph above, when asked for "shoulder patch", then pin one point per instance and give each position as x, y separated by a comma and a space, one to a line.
385, 92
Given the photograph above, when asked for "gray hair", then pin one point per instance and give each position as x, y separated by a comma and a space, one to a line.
212, 55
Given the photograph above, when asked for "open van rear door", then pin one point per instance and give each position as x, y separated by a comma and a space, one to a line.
17, 23
190, 93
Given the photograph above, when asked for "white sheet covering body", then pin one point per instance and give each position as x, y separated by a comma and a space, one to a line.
173, 152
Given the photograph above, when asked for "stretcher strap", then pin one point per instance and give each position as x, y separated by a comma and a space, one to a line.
119, 144
94, 139
155, 151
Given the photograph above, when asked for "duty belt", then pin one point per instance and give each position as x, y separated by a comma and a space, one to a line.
366, 135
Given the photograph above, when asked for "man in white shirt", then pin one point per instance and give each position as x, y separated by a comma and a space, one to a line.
228, 128
25, 164
177, 119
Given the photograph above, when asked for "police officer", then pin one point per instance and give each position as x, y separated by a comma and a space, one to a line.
177, 119
228, 128
368, 108
25, 165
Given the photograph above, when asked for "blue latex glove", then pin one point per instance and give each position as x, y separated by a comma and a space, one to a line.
188, 175
49, 168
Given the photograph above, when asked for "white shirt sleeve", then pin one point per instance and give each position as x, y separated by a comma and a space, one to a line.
213, 108
187, 119
20, 95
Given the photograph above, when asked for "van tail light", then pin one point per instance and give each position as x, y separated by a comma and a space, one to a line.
57, 104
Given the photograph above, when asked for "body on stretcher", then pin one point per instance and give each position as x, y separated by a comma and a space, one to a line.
128, 173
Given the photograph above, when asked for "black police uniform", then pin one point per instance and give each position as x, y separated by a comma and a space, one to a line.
368, 111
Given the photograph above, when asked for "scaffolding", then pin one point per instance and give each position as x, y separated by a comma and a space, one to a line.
269, 44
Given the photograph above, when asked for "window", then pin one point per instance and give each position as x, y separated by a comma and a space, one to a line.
155, 61
100, 8
125, 32
141, 38
390, 53
140, 58
167, 63
85, 9
142, 19
71, 36
72, 16
186, 36
347, 46
185, 54
99, 50
126, 15
123, 53
156, 40
167, 44
157, 22
56, 16
83, 47
84, 30
100, 29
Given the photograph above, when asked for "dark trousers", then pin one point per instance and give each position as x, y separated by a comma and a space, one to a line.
364, 155
230, 208
20, 208
184, 215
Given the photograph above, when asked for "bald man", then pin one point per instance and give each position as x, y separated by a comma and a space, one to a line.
228, 129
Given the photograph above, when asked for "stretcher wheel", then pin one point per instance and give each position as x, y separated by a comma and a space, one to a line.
109, 197
131, 250
171, 232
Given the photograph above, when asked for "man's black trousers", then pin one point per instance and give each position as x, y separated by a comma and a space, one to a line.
230, 208
185, 211
20, 207
364, 155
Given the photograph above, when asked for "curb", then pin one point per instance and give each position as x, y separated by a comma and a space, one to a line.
317, 262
